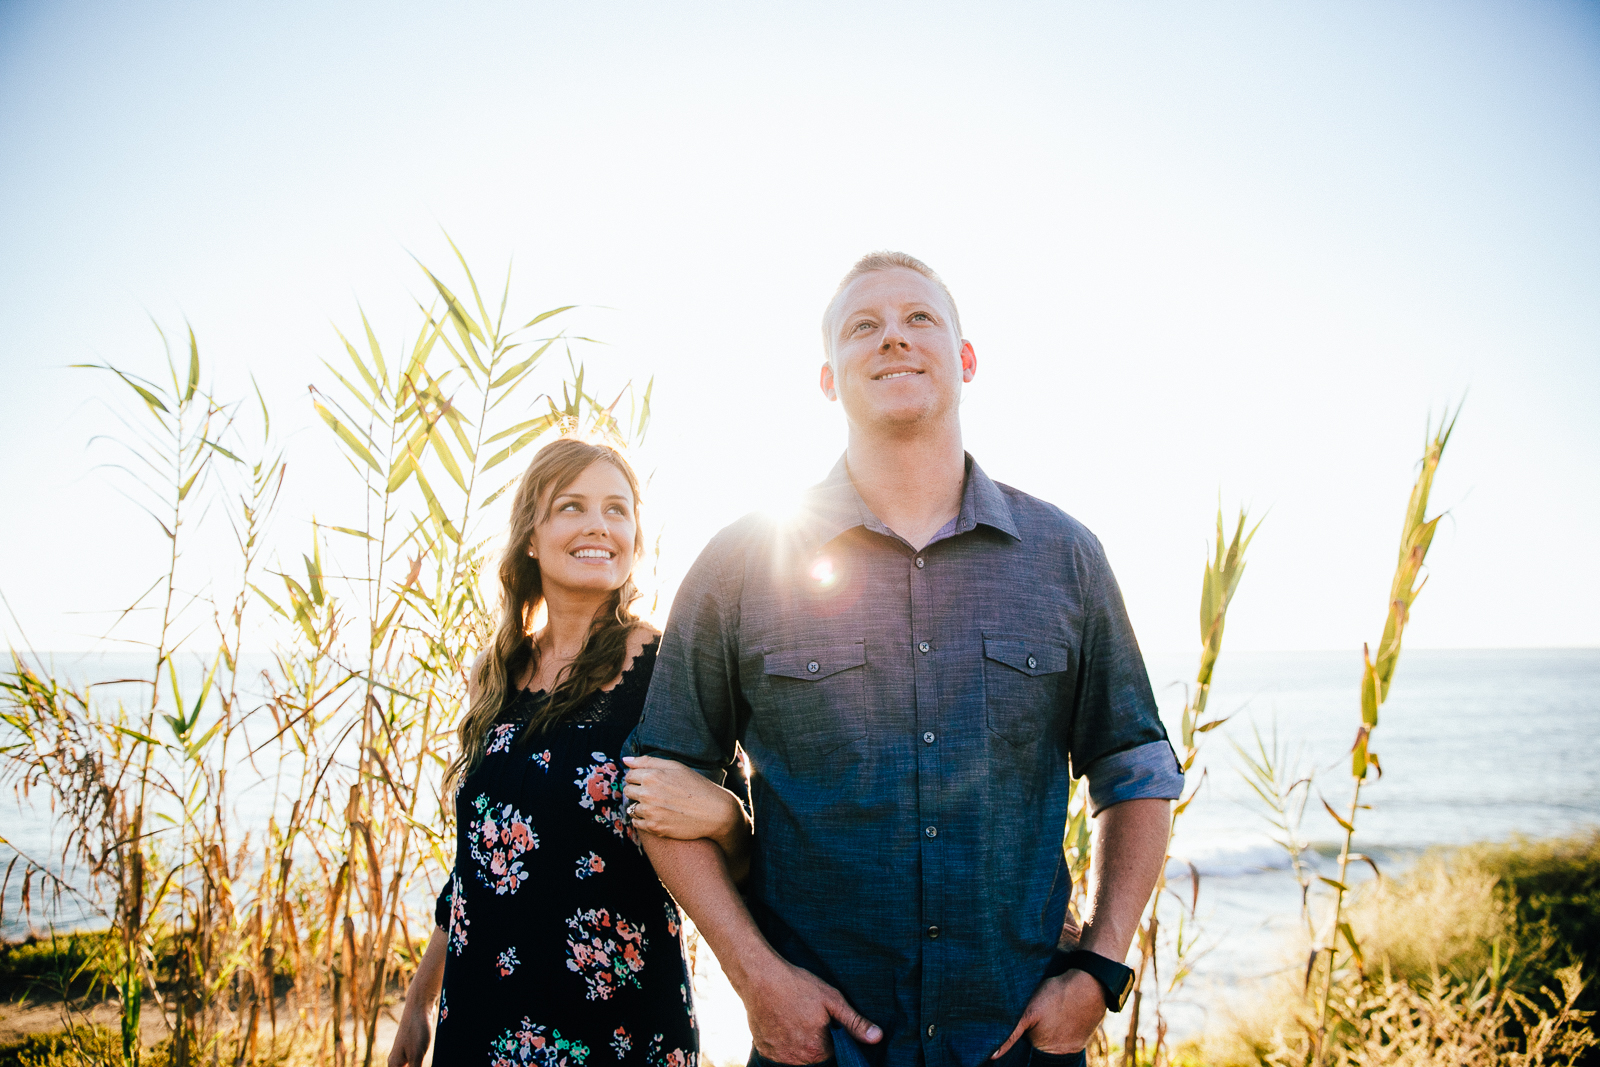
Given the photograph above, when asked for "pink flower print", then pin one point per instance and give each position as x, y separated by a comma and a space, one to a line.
528, 1044
590, 865
673, 926
678, 1057
444, 1006
458, 916
600, 791
595, 953
507, 961
621, 1042
500, 738
498, 842
543, 760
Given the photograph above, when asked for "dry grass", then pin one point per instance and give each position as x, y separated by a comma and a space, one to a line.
1459, 968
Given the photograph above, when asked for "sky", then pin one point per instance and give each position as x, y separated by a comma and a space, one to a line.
1215, 252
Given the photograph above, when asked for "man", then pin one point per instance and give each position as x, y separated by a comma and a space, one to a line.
916, 666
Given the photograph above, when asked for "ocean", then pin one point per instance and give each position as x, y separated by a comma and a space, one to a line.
1475, 746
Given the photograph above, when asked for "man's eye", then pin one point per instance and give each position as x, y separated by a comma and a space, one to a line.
861, 325
921, 315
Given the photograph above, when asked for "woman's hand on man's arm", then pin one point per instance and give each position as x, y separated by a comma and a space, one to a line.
668, 799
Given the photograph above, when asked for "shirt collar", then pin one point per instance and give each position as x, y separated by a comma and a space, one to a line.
834, 506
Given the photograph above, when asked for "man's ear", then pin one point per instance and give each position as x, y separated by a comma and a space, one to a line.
969, 361
827, 382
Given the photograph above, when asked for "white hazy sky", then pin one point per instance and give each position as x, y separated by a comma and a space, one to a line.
1214, 248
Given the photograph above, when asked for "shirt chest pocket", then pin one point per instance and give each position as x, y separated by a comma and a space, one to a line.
818, 699
1026, 686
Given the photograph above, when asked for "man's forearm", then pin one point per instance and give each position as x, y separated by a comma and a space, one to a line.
1130, 846
696, 874
735, 843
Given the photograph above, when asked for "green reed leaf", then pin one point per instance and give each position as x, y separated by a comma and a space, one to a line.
1340, 819
140, 737
521, 368
347, 437
219, 449
194, 367
376, 350
436, 509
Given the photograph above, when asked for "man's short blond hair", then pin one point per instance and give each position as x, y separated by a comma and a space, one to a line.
885, 261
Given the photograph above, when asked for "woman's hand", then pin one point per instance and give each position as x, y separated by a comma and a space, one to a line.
668, 799
411, 1041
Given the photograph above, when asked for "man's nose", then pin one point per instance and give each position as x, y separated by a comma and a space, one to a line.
893, 338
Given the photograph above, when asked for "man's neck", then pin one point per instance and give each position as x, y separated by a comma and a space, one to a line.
912, 482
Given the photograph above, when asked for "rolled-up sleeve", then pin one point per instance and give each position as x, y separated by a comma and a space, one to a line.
1117, 739
695, 712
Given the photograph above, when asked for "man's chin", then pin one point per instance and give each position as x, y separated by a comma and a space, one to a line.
898, 418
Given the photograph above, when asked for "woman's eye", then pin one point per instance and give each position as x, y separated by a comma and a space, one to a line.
571, 505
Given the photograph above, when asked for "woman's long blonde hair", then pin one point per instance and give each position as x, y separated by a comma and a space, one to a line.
511, 652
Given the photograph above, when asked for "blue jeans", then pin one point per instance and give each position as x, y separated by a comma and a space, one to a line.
846, 1053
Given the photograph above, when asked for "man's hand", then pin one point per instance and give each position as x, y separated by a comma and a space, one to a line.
1061, 1015
790, 1010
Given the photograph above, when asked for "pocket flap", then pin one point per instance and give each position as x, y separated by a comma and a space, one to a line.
813, 664
1031, 657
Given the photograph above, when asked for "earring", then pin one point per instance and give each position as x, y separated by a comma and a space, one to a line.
531, 555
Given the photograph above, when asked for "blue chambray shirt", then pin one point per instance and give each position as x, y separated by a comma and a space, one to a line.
913, 720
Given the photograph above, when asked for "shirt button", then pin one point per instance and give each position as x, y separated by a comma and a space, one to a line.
924, 647
931, 1029
919, 563
932, 831
1032, 663
813, 667
933, 933
927, 738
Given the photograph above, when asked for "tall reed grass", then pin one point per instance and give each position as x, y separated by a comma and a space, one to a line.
280, 938
1221, 581
1423, 973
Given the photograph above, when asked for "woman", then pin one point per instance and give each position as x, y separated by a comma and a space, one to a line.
555, 942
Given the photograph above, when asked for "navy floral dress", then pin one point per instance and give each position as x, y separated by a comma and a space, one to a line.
564, 948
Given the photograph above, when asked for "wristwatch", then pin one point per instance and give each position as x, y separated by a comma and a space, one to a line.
1116, 980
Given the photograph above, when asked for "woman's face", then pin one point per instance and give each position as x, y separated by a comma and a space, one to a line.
585, 545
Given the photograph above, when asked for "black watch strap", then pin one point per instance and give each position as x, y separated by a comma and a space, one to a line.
1116, 980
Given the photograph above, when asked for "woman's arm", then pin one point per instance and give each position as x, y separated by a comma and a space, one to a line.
411, 1041
668, 799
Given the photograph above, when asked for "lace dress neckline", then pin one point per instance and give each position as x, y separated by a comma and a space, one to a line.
597, 706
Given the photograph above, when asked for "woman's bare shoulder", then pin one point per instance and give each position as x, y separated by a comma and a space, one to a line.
641, 634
